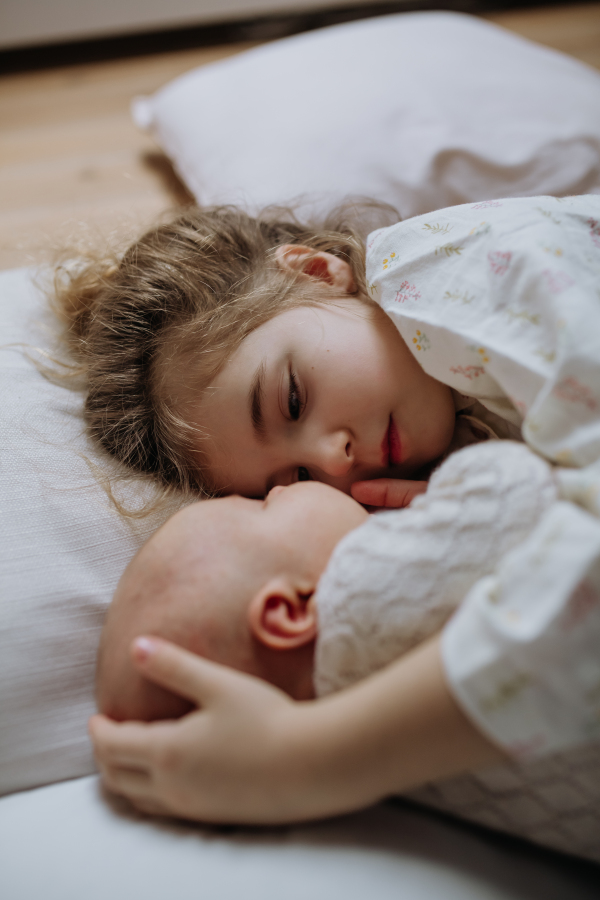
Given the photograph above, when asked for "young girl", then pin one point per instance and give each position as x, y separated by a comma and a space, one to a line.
226, 354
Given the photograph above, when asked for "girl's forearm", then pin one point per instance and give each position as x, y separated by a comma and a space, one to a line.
396, 730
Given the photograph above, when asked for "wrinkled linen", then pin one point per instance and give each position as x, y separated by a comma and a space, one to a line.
399, 577
63, 546
501, 300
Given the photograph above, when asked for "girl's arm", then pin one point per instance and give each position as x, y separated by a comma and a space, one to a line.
249, 754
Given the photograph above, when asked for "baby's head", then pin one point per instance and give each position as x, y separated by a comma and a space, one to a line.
232, 580
227, 354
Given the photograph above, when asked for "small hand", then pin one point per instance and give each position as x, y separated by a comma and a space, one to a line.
229, 761
249, 754
387, 493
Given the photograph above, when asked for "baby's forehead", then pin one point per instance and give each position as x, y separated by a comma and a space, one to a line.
201, 518
205, 535
186, 569
234, 530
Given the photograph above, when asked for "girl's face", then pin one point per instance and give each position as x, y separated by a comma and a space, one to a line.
329, 393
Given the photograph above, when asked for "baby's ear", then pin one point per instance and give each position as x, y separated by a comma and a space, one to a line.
321, 265
281, 617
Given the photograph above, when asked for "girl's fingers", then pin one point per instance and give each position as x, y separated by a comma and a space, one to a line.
131, 783
149, 807
193, 677
390, 493
378, 492
117, 744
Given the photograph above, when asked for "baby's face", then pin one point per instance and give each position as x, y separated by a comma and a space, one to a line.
328, 393
193, 581
293, 530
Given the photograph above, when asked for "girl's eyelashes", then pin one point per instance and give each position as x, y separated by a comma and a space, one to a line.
295, 403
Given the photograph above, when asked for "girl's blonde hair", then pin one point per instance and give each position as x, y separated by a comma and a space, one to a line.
151, 330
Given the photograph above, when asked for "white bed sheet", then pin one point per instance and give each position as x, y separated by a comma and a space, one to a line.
63, 547
68, 841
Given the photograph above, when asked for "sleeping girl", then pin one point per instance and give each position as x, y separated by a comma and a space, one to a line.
226, 355
261, 586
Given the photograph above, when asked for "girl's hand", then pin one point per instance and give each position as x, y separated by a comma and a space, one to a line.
387, 493
249, 754
229, 761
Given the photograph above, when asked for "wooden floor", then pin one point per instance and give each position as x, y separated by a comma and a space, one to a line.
74, 167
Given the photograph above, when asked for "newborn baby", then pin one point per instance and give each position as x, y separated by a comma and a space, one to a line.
232, 580
258, 585
307, 591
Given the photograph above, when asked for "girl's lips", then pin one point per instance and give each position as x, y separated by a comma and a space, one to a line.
391, 448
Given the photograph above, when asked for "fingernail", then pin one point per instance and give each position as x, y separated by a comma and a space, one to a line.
143, 647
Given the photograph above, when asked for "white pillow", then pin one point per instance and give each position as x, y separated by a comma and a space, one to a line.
422, 110
63, 548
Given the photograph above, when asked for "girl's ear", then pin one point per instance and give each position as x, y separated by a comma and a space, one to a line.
282, 618
323, 266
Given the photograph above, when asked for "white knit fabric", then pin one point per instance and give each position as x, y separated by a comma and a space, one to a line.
395, 580
401, 575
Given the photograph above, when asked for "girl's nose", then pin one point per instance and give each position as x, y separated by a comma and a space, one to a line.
335, 453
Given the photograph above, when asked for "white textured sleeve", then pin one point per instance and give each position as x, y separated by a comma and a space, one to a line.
398, 578
522, 654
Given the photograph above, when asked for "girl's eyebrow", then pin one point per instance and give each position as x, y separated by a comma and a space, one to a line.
255, 401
